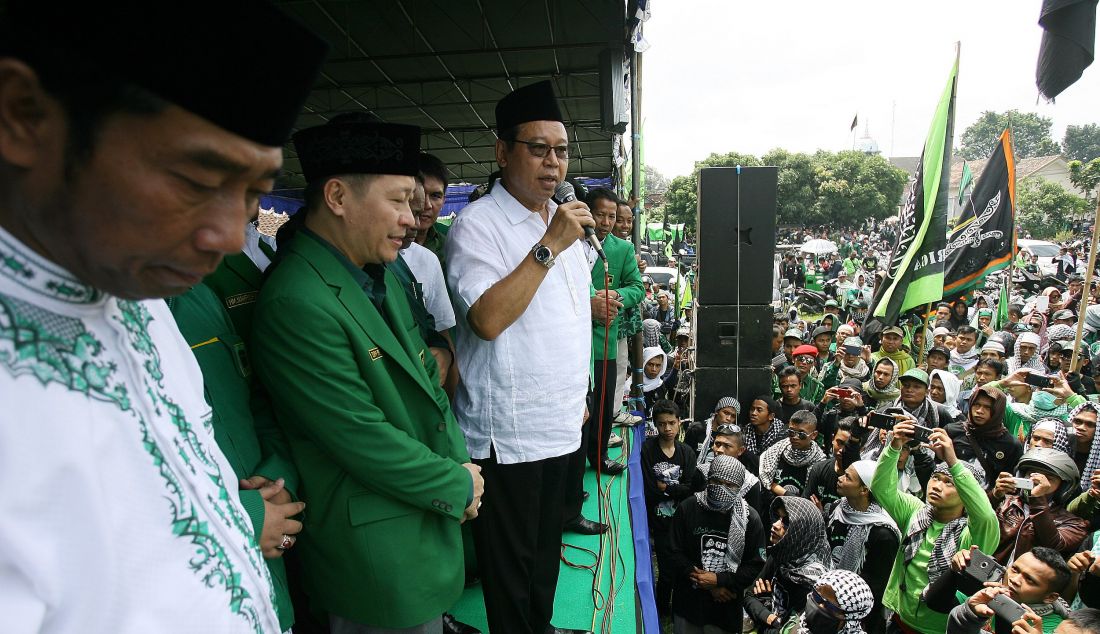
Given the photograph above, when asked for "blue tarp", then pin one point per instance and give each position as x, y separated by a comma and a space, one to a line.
643, 557
281, 204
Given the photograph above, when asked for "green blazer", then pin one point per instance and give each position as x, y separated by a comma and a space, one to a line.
244, 426
623, 276
378, 451
237, 283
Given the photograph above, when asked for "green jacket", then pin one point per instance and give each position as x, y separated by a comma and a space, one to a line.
237, 283
981, 530
623, 277
244, 426
372, 434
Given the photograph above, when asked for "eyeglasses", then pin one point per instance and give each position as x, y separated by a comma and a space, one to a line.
542, 149
803, 358
801, 435
728, 428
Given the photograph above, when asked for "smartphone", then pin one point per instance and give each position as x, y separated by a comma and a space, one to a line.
1006, 608
921, 433
1024, 485
843, 392
982, 568
879, 420
1038, 380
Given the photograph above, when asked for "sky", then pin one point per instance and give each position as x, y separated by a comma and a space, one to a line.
736, 75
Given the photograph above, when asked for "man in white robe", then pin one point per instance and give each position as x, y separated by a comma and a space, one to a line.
130, 161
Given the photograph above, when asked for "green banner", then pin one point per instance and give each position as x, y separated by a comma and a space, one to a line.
915, 273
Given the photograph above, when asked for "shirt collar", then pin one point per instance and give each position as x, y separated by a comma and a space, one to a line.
513, 210
22, 265
359, 275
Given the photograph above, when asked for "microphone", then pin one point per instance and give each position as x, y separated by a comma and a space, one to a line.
564, 193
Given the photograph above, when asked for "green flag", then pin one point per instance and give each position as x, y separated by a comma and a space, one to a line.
964, 183
915, 273
1002, 304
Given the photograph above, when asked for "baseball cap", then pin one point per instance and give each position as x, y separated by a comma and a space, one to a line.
893, 329
916, 374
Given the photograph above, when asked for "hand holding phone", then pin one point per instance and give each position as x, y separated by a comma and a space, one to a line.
1038, 380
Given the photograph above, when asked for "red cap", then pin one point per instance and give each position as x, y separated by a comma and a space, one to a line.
805, 349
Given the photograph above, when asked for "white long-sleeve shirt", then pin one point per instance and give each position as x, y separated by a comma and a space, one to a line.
120, 512
524, 392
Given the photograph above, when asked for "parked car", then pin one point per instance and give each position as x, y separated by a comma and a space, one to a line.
1046, 251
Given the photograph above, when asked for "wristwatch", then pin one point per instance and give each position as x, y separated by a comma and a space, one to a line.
543, 255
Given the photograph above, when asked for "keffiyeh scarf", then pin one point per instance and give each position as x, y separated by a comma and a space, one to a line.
853, 596
946, 545
651, 333
1094, 452
769, 460
775, 433
851, 554
802, 554
721, 499
1063, 436
856, 372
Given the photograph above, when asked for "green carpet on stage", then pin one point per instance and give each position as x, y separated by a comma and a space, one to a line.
573, 603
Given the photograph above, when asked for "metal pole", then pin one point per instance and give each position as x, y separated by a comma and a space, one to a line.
1086, 292
636, 342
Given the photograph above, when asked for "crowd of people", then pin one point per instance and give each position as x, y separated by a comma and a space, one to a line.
899, 454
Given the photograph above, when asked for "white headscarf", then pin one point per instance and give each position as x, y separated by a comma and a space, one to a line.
648, 384
951, 387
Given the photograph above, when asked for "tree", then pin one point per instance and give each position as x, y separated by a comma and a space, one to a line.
1043, 207
656, 187
797, 189
1030, 135
681, 200
1085, 177
843, 188
852, 186
1082, 142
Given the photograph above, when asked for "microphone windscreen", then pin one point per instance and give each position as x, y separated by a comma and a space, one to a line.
564, 193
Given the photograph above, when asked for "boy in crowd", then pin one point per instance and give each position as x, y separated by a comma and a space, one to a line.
668, 467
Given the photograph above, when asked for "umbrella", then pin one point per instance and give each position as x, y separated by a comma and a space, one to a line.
819, 247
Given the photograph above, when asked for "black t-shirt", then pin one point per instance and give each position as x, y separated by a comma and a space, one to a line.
677, 472
699, 535
786, 411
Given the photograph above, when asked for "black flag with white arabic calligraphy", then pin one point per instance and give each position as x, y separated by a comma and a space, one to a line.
984, 240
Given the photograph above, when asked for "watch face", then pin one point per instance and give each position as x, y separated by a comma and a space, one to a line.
542, 254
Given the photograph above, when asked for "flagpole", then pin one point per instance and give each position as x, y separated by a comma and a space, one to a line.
924, 333
1086, 292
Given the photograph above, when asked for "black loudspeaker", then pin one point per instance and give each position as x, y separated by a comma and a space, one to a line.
711, 384
736, 235
731, 336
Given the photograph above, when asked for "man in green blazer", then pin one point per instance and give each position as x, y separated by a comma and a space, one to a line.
616, 286
245, 430
238, 278
383, 465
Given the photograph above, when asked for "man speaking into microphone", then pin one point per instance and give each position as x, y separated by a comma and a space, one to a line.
520, 281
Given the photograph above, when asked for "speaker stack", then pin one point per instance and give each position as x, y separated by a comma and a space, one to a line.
732, 322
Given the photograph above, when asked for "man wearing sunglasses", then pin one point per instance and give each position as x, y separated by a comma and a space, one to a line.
784, 467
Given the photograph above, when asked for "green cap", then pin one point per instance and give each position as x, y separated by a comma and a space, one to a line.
832, 304
916, 374
793, 332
